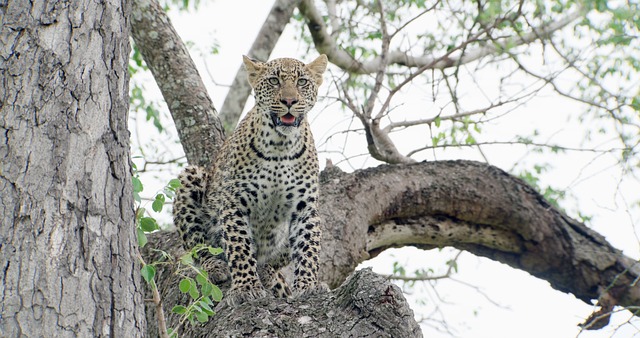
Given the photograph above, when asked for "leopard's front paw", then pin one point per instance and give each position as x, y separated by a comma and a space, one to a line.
310, 290
236, 296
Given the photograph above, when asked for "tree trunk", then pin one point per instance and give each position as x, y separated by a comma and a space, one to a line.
67, 239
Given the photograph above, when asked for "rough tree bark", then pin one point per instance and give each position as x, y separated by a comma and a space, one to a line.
366, 305
67, 239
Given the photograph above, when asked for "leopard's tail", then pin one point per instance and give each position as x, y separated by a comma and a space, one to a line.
190, 214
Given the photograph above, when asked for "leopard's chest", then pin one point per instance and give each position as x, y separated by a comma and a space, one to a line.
272, 189
272, 192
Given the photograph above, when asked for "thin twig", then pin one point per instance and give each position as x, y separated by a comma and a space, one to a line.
157, 301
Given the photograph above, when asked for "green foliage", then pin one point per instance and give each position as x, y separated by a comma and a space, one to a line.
136, 63
552, 195
200, 289
398, 269
158, 203
137, 102
144, 222
181, 5
148, 272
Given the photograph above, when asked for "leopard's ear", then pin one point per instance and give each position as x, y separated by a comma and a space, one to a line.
254, 69
317, 68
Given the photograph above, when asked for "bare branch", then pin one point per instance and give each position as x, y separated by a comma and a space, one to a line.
326, 44
404, 124
380, 146
423, 277
157, 302
261, 49
553, 147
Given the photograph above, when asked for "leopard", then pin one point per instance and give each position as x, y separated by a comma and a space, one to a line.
259, 199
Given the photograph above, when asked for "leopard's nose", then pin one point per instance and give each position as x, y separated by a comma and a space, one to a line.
289, 101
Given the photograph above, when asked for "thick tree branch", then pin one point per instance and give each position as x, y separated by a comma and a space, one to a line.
261, 49
366, 305
191, 107
326, 44
470, 206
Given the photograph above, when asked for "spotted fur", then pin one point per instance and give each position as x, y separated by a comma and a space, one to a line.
259, 202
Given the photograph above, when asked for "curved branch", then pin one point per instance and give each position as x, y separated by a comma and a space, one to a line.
474, 207
261, 49
326, 44
471, 206
167, 57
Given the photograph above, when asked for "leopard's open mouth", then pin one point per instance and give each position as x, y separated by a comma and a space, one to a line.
287, 120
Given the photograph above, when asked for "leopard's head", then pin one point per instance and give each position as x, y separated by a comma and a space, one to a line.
286, 89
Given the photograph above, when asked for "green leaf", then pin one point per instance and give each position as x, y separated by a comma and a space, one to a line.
179, 309
215, 251
140, 213
185, 285
470, 140
206, 308
148, 224
202, 317
207, 300
142, 238
158, 203
186, 259
168, 192
435, 140
148, 272
193, 292
216, 293
453, 264
201, 279
174, 183
137, 185
437, 121
207, 289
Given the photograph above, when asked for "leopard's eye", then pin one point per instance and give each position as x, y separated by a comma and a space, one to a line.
302, 82
274, 81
